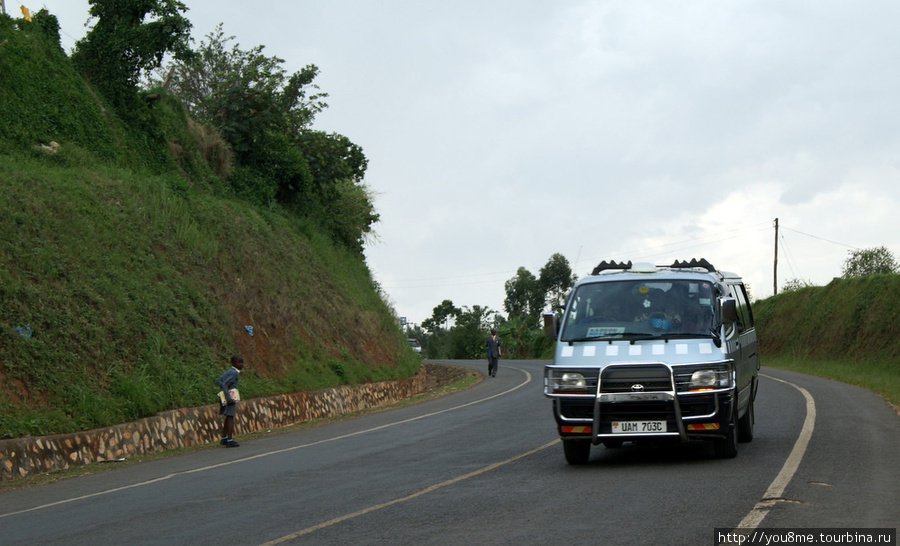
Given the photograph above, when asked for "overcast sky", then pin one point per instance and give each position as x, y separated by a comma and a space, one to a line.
501, 132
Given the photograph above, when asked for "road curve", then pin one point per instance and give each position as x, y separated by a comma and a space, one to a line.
484, 466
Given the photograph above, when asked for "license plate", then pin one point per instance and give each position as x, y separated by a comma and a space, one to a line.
638, 427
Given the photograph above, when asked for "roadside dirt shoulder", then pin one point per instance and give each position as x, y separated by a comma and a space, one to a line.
442, 375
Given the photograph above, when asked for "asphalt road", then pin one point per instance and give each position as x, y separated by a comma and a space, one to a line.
484, 466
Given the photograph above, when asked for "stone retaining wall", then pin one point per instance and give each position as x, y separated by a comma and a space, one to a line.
20, 457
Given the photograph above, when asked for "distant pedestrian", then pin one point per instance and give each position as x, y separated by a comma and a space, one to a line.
493, 352
229, 396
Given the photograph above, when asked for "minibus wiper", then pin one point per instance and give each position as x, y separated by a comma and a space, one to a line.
712, 334
633, 336
687, 335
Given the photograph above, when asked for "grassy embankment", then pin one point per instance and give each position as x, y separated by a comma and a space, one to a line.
129, 273
847, 330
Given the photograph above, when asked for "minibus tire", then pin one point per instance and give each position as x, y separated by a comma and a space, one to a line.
577, 451
745, 425
726, 448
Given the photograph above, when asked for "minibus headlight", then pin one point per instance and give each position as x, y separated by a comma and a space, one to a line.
572, 380
704, 379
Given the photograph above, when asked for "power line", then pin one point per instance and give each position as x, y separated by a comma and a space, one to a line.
788, 257
673, 247
821, 238
442, 281
644, 253
438, 285
437, 282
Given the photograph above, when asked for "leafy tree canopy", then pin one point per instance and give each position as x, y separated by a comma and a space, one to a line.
245, 94
870, 261
264, 114
527, 295
129, 38
524, 296
469, 334
351, 215
440, 314
331, 157
556, 279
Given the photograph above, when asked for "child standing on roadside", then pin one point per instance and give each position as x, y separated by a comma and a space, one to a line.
229, 397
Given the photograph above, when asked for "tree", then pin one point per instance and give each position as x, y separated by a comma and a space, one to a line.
352, 215
129, 38
331, 157
245, 94
439, 316
265, 116
521, 339
870, 261
337, 193
556, 279
468, 335
524, 297
438, 329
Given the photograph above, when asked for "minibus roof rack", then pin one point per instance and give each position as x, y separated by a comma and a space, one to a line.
604, 266
702, 263
694, 263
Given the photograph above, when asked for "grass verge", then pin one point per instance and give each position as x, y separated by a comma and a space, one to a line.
881, 377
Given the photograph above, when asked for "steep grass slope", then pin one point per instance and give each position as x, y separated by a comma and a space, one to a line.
848, 330
854, 318
128, 276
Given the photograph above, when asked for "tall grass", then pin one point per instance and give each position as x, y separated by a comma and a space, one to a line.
847, 331
880, 377
135, 293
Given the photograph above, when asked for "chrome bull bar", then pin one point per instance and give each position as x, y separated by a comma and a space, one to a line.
669, 395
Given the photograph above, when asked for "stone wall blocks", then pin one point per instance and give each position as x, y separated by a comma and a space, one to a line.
20, 457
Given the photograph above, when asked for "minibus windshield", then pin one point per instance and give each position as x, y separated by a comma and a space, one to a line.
639, 309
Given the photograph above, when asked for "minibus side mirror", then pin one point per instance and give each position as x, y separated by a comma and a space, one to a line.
728, 310
551, 326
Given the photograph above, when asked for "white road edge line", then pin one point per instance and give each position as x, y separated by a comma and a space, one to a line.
262, 455
791, 464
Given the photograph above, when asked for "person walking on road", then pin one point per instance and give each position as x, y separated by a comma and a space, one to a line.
229, 396
493, 352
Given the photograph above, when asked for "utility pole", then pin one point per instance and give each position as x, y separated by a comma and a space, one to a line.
775, 276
